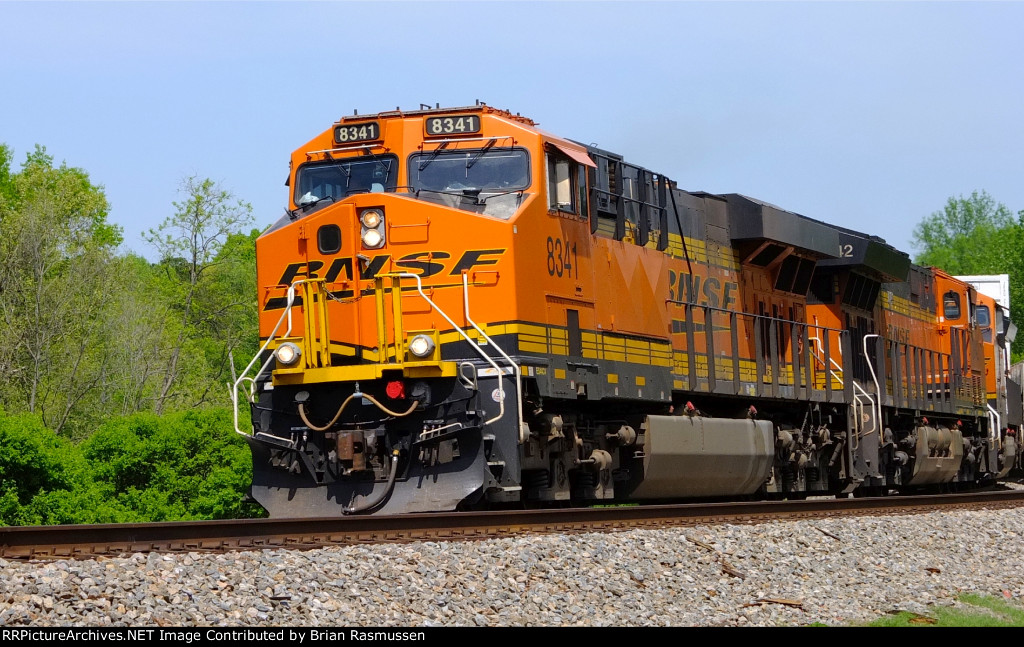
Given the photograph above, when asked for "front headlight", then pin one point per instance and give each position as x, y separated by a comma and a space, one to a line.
288, 353
372, 221
371, 218
372, 238
421, 346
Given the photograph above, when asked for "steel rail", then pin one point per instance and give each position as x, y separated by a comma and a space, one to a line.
87, 541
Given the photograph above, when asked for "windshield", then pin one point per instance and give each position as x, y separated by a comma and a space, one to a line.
342, 178
486, 170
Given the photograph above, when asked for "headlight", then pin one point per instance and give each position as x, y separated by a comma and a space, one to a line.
372, 221
372, 238
288, 353
421, 346
371, 218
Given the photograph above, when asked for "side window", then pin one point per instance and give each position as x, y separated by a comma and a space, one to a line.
604, 200
581, 189
561, 196
951, 305
328, 239
983, 316
631, 203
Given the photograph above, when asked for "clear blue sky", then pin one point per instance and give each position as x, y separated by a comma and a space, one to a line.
864, 114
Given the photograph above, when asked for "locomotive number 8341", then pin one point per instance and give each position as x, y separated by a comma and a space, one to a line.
459, 310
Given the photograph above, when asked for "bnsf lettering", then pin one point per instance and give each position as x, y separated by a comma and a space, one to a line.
295, 270
705, 291
421, 263
474, 257
898, 334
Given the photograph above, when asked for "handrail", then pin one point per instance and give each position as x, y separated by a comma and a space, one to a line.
458, 329
874, 378
858, 410
831, 359
252, 380
874, 422
995, 428
834, 363
517, 370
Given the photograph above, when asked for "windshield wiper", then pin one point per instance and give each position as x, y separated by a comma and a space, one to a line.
305, 206
386, 167
437, 151
495, 195
467, 192
487, 146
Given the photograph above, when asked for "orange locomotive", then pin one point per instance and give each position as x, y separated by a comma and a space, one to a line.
459, 309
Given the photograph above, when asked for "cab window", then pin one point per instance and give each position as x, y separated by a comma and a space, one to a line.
484, 170
338, 179
983, 316
562, 180
489, 181
951, 305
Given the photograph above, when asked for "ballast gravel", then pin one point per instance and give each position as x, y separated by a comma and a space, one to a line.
828, 571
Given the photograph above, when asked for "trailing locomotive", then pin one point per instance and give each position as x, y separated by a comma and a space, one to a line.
461, 310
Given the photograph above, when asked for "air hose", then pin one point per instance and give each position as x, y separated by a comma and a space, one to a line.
305, 419
375, 501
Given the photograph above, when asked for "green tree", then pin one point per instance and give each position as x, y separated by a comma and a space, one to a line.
969, 236
194, 252
184, 465
45, 480
56, 245
6, 190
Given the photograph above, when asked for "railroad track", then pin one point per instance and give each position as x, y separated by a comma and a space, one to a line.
87, 541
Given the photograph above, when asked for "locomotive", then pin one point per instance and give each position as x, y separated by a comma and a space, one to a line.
460, 310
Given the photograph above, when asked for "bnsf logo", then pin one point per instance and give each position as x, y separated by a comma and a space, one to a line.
421, 263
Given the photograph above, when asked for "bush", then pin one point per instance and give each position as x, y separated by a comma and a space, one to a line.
188, 465
43, 478
140, 468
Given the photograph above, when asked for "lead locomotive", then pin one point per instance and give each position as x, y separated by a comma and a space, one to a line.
460, 310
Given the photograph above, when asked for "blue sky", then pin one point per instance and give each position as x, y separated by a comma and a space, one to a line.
864, 114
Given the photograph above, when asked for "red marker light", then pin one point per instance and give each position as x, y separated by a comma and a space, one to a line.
396, 390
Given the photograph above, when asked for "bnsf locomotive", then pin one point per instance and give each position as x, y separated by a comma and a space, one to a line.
461, 310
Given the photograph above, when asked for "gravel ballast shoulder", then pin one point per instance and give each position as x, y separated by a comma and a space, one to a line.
830, 571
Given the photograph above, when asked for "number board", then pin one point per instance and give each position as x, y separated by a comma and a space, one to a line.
361, 132
452, 125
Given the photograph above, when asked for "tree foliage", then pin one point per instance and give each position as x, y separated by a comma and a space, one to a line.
93, 333
191, 242
99, 342
56, 244
138, 468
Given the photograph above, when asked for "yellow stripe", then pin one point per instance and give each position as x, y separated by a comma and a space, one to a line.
533, 348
